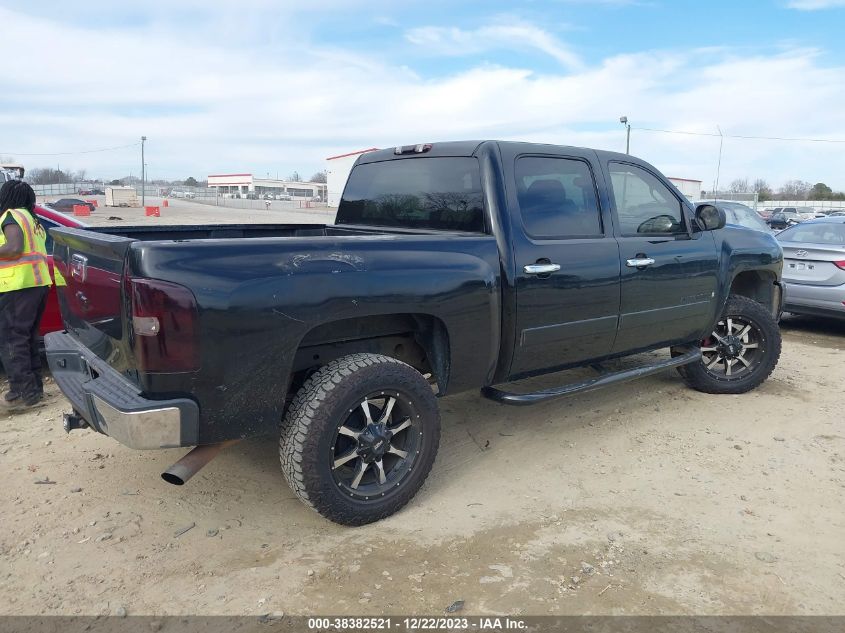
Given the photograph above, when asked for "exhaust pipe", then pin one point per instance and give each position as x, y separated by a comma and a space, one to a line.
180, 472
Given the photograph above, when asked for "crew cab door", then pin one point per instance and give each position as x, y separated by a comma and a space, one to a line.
669, 271
567, 260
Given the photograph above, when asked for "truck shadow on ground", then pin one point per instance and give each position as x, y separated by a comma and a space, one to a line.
476, 435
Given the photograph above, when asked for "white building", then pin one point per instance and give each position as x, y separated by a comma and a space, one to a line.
337, 172
690, 188
244, 184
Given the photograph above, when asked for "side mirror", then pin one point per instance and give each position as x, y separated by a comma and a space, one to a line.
710, 217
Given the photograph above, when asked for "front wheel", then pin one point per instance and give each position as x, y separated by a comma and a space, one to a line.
360, 438
740, 353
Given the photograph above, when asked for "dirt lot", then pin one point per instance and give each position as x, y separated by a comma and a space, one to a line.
640, 499
644, 498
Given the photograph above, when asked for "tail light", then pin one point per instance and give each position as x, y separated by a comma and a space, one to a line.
164, 320
840, 264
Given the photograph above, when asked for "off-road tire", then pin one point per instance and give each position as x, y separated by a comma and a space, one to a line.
699, 378
322, 404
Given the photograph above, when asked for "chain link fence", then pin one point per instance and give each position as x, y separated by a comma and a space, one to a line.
202, 195
804, 204
749, 198
66, 188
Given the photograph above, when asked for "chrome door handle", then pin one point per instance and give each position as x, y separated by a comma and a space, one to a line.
541, 269
639, 262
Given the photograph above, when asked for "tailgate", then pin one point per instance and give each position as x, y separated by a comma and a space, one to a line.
91, 264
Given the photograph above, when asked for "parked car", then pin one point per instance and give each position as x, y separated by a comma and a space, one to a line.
814, 267
739, 214
784, 218
765, 213
809, 213
283, 196
450, 266
65, 205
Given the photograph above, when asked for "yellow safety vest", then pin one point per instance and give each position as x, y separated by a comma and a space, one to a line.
31, 269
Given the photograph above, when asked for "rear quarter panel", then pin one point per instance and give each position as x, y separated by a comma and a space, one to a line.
258, 299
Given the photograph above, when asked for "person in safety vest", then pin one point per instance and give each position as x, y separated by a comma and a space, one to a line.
24, 284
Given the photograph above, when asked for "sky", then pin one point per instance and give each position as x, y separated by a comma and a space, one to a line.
271, 87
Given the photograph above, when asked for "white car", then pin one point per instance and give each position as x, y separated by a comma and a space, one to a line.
808, 213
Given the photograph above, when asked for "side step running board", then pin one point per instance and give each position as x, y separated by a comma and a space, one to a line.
523, 399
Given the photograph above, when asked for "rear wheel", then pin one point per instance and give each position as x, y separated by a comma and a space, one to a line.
740, 353
360, 438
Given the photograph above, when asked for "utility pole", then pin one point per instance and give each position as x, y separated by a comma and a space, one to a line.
143, 174
624, 121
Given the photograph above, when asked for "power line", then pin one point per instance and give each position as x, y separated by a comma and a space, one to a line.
88, 151
759, 138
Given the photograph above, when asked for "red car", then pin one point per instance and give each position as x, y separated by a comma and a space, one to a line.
52, 319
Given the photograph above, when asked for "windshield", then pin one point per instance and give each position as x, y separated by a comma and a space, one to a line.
742, 215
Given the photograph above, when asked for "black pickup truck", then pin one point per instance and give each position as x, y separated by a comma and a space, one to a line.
450, 266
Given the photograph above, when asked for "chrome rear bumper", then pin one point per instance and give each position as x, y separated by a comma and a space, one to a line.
112, 405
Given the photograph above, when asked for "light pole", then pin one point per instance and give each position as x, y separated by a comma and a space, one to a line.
143, 174
624, 121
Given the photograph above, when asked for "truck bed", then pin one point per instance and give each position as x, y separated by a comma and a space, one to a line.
272, 301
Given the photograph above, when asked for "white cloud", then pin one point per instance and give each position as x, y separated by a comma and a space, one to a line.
208, 106
815, 5
455, 41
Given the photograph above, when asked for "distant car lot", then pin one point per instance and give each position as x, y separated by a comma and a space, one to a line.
782, 218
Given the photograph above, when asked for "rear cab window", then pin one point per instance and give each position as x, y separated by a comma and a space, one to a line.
438, 193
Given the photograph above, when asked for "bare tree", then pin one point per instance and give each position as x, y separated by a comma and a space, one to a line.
740, 185
48, 176
763, 190
320, 176
295, 177
794, 190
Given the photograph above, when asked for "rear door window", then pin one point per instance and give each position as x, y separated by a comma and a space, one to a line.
557, 197
427, 193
